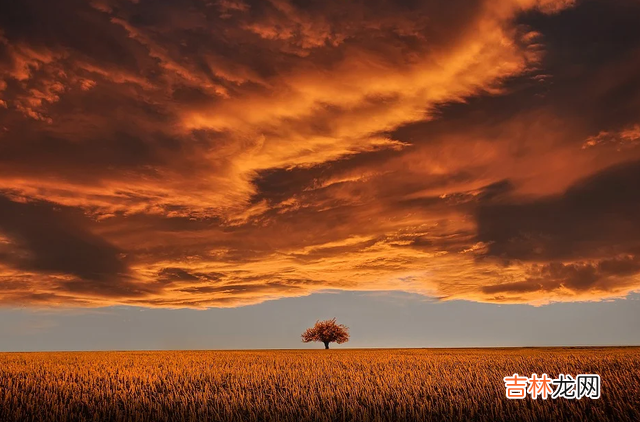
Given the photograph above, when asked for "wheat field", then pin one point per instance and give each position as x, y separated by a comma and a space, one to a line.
322, 385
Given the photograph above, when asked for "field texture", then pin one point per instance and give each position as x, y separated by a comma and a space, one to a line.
330, 385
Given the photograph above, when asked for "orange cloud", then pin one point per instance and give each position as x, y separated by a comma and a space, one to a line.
244, 151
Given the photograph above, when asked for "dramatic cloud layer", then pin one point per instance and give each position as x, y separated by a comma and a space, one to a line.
204, 153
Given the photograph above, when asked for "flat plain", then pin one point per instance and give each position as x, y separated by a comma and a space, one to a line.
311, 385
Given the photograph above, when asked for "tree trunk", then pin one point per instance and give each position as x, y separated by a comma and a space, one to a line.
326, 344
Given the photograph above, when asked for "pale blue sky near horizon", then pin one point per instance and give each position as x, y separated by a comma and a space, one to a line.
376, 319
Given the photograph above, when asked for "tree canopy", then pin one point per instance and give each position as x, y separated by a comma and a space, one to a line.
328, 331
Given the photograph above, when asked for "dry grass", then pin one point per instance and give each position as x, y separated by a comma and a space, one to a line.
356, 385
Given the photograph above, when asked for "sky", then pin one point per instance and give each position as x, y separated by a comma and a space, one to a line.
223, 164
375, 319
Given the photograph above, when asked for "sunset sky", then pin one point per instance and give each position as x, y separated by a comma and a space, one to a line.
429, 160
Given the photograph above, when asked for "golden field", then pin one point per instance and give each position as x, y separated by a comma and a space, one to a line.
295, 385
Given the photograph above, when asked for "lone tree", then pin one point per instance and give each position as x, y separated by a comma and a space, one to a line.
327, 332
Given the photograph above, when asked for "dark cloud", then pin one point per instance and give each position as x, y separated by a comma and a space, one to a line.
606, 275
596, 216
592, 53
279, 184
171, 275
52, 239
